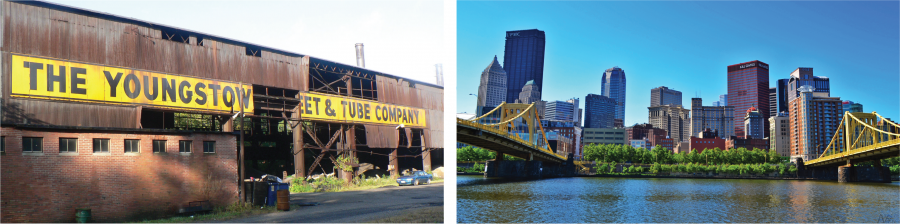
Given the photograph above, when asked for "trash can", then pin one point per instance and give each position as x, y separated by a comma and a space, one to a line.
83, 215
272, 191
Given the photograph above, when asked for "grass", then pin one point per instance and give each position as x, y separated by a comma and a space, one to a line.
424, 215
333, 184
235, 210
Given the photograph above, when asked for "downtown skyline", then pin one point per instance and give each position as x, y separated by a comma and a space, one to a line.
689, 53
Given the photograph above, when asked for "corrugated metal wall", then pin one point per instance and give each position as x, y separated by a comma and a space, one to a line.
401, 92
51, 33
24, 111
58, 34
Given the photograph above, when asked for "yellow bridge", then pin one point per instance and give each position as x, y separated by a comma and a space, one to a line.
860, 137
512, 129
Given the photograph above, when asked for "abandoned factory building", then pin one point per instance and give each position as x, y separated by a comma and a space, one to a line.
134, 119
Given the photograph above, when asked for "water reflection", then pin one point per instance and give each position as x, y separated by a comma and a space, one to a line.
672, 200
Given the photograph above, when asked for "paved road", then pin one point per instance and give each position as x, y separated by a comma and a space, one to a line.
356, 206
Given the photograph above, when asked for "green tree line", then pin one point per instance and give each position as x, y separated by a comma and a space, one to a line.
658, 154
470, 153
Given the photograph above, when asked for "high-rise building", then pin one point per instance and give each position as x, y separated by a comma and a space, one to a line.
599, 111
664, 96
773, 101
674, 119
492, 90
780, 135
814, 118
782, 88
804, 76
524, 61
576, 111
754, 124
850, 106
561, 110
530, 93
719, 119
613, 86
748, 85
723, 101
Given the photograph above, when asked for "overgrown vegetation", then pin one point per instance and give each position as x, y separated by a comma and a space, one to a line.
334, 184
476, 168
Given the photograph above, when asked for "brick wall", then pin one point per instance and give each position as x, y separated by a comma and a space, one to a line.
116, 186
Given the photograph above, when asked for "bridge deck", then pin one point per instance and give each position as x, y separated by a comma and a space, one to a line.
478, 135
879, 150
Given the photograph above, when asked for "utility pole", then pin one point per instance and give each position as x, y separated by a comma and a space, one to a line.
241, 165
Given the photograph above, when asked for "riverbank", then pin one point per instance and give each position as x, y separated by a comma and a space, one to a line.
894, 178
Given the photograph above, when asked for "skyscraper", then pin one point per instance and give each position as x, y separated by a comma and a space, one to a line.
613, 86
716, 118
664, 96
560, 111
523, 60
850, 106
814, 118
599, 111
492, 90
782, 86
804, 76
674, 119
773, 101
748, 85
530, 93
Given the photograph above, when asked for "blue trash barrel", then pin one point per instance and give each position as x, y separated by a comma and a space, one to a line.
272, 191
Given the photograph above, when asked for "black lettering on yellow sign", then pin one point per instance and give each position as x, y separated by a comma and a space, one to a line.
51, 78
344, 109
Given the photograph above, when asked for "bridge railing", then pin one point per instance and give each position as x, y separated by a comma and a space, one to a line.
512, 136
860, 133
513, 121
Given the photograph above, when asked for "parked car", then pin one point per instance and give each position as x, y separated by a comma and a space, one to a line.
416, 178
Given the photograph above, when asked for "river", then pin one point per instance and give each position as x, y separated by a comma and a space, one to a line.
666, 200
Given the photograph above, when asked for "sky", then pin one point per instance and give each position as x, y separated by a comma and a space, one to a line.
687, 46
402, 38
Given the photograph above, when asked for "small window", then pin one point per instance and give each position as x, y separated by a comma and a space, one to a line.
2, 143
32, 144
101, 145
159, 146
68, 145
184, 146
132, 145
209, 147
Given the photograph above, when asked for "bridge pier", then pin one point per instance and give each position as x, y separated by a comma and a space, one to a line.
529, 169
846, 174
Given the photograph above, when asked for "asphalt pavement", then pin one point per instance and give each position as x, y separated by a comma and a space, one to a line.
356, 206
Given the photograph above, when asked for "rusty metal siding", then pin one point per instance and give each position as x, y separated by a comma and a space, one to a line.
380, 136
28, 111
52, 33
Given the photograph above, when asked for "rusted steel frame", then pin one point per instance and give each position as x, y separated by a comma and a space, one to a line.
316, 163
340, 70
344, 78
321, 81
363, 151
330, 142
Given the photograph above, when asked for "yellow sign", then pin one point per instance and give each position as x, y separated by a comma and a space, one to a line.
49, 78
344, 109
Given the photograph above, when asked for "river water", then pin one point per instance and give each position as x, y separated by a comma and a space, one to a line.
665, 200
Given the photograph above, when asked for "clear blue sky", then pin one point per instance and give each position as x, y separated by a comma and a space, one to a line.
687, 46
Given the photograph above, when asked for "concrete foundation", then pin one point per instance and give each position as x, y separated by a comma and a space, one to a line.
529, 169
846, 174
